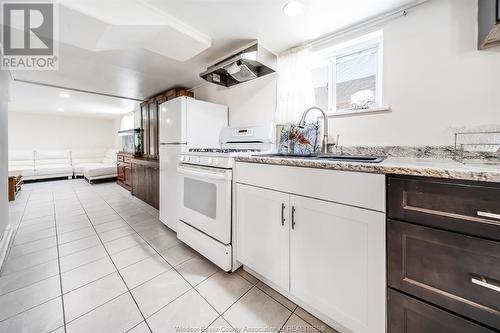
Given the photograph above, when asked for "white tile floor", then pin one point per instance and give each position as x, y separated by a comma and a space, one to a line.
92, 258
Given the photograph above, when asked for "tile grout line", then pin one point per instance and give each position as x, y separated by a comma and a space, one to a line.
111, 259
98, 306
194, 287
59, 262
7, 255
253, 284
173, 267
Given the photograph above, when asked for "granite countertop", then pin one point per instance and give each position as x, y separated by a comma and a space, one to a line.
428, 167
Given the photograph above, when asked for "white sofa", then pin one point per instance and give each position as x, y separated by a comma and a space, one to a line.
53, 164
23, 161
95, 164
44, 164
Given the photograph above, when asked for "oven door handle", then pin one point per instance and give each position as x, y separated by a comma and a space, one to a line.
197, 173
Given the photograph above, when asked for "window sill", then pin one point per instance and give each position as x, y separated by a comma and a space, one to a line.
350, 113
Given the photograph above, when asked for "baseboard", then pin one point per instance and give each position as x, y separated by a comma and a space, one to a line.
4, 244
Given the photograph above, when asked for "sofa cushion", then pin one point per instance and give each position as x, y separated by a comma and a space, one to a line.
25, 170
21, 157
100, 170
79, 168
54, 169
80, 156
52, 157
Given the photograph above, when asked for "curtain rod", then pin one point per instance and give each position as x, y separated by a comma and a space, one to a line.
369, 23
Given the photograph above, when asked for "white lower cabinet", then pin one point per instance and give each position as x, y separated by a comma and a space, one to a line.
329, 256
337, 262
263, 233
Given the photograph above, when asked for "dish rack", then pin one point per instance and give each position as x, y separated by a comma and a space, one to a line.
480, 146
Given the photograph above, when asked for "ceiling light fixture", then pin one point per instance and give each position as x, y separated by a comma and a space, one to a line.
293, 8
64, 95
60, 109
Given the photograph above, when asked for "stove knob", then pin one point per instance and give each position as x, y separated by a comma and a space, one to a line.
183, 158
197, 160
216, 162
209, 161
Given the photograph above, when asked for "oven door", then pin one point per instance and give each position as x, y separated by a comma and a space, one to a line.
205, 200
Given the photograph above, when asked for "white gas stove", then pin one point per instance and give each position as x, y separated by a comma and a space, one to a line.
214, 157
206, 191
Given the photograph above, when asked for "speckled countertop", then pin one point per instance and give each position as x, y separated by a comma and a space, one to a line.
428, 167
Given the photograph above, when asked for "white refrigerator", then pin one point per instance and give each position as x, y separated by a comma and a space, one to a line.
184, 123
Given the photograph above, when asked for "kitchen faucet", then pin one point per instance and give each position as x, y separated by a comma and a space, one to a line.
324, 147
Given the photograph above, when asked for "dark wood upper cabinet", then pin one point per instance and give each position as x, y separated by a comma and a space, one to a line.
152, 152
149, 120
145, 127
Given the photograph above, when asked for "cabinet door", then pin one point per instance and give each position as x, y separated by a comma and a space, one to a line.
152, 186
153, 130
127, 175
139, 185
120, 174
145, 127
407, 315
262, 232
337, 262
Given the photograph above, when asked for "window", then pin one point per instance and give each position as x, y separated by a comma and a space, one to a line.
348, 76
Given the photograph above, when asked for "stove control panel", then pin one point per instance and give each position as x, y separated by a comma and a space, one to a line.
224, 162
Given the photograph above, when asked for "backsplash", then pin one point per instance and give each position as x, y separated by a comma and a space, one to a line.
438, 152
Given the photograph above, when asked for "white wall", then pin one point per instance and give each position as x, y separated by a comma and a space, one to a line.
31, 131
250, 103
4, 98
434, 79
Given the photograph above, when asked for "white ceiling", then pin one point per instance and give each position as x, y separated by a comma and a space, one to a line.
137, 48
30, 98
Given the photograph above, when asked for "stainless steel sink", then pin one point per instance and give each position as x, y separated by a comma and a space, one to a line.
330, 157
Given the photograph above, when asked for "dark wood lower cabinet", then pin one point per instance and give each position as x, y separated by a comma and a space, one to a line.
443, 255
124, 170
408, 315
146, 181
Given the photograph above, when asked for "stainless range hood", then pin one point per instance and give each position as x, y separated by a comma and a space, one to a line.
245, 64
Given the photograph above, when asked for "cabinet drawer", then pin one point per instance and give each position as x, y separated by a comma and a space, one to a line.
468, 207
458, 272
408, 315
119, 158
127, 159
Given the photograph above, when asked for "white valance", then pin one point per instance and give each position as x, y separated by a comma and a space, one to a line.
295, 89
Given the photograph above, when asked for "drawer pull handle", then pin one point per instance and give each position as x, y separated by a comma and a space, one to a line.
282, 214
293, 217
488, 215
484, 283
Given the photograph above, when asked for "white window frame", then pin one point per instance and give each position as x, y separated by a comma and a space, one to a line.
328, 56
